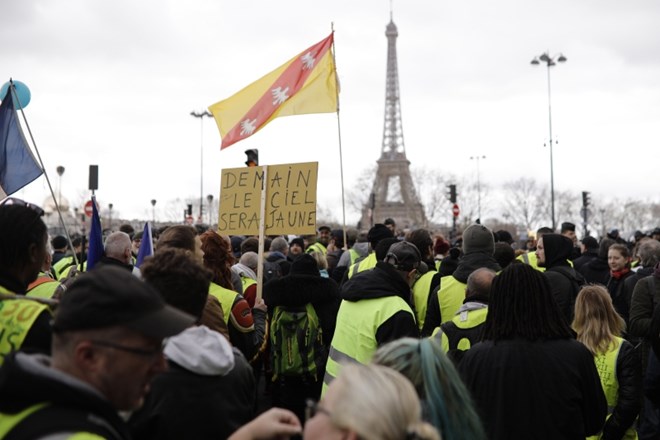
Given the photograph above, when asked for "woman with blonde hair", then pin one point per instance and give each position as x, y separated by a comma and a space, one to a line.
446, 403
599, 328
369, 402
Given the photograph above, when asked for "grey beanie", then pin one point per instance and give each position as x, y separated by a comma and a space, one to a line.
478, 238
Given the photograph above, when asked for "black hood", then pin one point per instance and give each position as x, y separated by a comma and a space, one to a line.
298, 290
380, 282
558, 249
471, 262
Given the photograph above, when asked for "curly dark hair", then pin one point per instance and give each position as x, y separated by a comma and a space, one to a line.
182, 281
218, 258
521, 305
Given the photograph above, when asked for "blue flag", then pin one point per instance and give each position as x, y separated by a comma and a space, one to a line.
146, 245
17, 165
95, 251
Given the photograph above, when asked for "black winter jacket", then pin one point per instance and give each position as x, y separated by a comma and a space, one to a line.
564, 281
597, 271
27, 380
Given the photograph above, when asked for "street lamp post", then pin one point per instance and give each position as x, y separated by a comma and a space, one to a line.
478, 158
550, 61
201, 158
153, 212
209, 199
110, 206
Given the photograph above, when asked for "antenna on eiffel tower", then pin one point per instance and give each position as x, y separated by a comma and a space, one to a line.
393, 194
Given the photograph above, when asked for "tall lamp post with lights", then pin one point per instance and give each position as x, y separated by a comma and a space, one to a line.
201, 115
477, 159
209, 198
550, 61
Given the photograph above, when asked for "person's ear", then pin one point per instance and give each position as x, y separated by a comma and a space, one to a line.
87, 356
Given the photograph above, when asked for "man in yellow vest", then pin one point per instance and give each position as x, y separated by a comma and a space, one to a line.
478, 250
529, 257
427, 279
377, 233
322, 241
464, 330
24, 322
375, 309
107, 346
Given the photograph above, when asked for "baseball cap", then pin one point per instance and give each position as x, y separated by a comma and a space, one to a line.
403, 256
111, 296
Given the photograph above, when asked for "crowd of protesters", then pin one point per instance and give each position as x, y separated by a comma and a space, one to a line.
342, 334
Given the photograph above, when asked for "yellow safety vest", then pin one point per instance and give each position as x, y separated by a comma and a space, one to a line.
317, 247
226, 298
529, 257
43, 287
606, 366
421, 292
61, 265
9, 421
355, 333
367, 264
67, 270
247, 282
465, 320
17, 314
354, 255
450, 297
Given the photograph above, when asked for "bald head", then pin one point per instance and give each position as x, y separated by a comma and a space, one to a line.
479, 282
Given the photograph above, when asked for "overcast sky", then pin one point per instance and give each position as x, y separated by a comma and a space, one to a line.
113, 83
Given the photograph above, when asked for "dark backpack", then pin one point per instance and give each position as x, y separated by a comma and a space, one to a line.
296, 343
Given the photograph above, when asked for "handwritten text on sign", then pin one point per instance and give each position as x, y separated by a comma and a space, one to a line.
290, 199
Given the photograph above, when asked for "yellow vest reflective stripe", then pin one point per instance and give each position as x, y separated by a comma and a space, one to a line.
355, 333
606, 366
9, 421
421, 296
16, 318
450, 297
226, 298
317, 247
367, 264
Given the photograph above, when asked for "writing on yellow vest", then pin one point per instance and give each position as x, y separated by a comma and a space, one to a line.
16, 318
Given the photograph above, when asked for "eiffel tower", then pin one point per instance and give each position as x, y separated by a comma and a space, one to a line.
393, 194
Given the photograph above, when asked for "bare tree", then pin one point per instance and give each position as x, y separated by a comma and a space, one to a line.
358, 194
526, 202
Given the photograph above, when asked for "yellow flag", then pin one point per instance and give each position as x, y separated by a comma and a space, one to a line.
307, 83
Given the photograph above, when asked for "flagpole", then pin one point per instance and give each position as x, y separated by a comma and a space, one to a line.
262, 233
34, 144
341, 156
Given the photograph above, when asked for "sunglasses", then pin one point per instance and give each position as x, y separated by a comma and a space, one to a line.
14, 201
